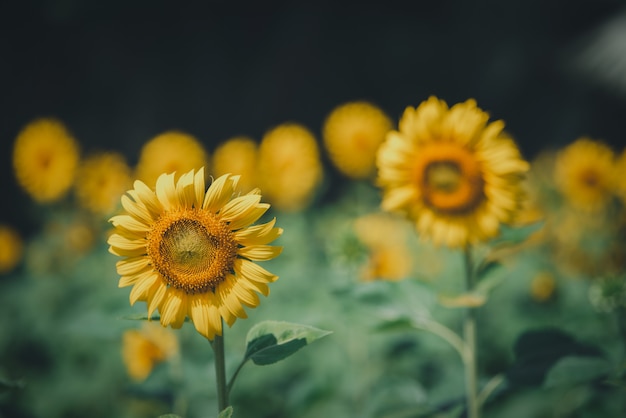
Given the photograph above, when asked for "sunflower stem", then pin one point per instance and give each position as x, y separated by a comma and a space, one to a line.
469, 335
220, 372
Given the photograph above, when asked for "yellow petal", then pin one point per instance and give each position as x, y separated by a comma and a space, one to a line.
258, 234
166, 191
249, 217
141, 289
172, 309
253, 271
131, 265
129, 222
219, 192
199, 188
260, 252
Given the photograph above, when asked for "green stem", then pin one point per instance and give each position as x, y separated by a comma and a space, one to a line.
469, 335
232, 379
220, 372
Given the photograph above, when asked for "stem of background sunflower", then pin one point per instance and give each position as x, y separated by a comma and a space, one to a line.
220, 371
469, 335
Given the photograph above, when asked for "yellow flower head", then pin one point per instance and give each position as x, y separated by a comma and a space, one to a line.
584, 172
11, 249
145, 348
352, 134
237, 155
542, 287
45, 158
189, 252
456, 175
170, 152
290, 169
385, 238
101, 181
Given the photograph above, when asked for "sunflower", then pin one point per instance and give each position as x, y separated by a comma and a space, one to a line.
102, 179
170, 152
143, 349
11, 248
584, 172
189, 252
385, 238
237, 155
457, 176
352, 134
45, 158
290, 169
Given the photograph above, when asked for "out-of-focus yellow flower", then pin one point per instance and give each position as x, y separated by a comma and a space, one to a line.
143, 349
457, 176
101, 181
237, 156
170, 152
11, 248
584, 173
385, 238
45, 158
190, 252
620, 175
352, 134
542, 287
290, 169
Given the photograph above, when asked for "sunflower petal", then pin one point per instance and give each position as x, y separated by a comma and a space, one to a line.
258, 234
166, 191
220, 192
260, 252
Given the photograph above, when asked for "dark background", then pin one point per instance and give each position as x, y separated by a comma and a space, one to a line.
119, 72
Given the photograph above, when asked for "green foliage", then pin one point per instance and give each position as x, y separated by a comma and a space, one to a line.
271, 341
226, 413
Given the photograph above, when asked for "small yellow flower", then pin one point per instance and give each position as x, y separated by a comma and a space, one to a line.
584, 172
190, 252
170, 152
45, 158
290, 169
238, 156
457, 176
101, 181
385, 238
11, 249
143, 349
542, 287
352, 134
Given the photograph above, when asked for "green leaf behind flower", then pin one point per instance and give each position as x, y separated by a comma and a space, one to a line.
270, 341
226, 413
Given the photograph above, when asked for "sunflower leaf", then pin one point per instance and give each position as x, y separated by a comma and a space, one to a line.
226, 413
270, 341
572, 370
511, 235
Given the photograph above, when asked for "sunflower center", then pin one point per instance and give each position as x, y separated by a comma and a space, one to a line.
192, 250
449, 178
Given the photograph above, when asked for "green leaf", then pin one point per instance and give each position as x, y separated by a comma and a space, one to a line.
226, 413
574, 370
537, 351
511, 235
270, 341
7, 385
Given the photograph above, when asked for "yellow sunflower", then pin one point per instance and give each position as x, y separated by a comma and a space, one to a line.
170, 152
102, 179
45, 158
456, 175
385, 237
352, 134
584, 172
237, 155
189, 252
11, 248
143, 349
290, 169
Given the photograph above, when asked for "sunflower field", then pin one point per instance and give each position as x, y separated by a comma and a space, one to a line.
427, 245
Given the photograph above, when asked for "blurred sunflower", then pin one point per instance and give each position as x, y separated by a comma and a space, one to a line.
238, 156
385, 237
170, 152
11, 248
102, 179
189, 252
457, 176
542, 287
584, 172
352, 134
289, 167
45, 158
143, 349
